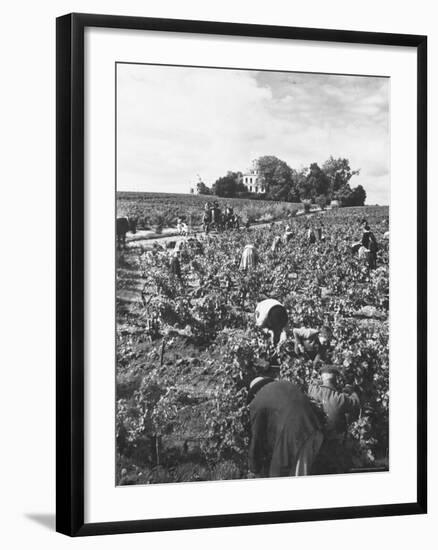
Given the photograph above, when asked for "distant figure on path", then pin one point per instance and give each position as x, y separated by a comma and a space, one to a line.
249, 258
317, 231
272, 316
286, 432
206, 221
123, 225
288, 234
310, 235
182, 228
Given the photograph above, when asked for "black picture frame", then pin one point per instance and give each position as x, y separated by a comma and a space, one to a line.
70, 272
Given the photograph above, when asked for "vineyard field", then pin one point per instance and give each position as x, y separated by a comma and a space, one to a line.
152, 209
187, 349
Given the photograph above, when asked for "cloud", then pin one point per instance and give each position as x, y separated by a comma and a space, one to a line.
177, 122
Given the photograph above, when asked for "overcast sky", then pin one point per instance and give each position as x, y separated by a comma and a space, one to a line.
176, 122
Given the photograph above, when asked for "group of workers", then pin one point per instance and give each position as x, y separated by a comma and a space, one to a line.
214, 217
289, 436
366, 248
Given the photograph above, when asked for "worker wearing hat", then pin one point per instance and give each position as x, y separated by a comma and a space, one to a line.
175, 265
340, 407
271, 315
311, 343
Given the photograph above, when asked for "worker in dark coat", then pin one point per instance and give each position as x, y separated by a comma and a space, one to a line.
341, 408
286, 432
175, 265
369, 241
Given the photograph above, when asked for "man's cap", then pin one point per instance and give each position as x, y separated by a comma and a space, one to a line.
256, 381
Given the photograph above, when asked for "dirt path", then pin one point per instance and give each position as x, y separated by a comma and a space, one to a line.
144, 238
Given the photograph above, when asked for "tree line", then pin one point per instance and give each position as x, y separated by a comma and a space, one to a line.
317, 184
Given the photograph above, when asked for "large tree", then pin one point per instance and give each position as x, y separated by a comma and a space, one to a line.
358, 196
339, 173
313, 183
278, 177
351, 197
202, 189
229, 185
283, 183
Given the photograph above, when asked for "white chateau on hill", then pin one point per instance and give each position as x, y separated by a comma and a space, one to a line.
253, 180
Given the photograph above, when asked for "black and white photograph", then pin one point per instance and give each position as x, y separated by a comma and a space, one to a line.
216, 275
252, 273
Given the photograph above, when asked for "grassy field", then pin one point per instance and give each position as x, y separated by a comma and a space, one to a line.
185, 350
152, 209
